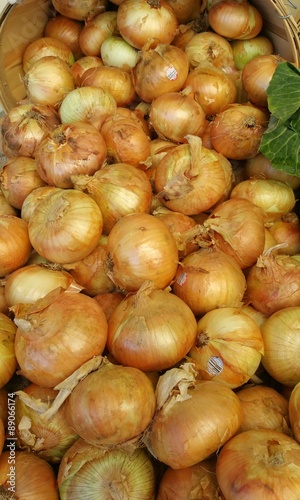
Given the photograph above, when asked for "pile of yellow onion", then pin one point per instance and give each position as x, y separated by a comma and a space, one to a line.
149, 261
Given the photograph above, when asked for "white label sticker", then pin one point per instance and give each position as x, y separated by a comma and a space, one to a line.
214, 365
181, 280
171, 73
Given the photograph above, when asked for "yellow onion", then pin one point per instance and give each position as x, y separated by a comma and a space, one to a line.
81, 11
274, 197
67, 30
118, 189
260, 167
107, 397
46, 46
161, 68
18, 178
245, 50
294, 411
141, 248
287, 230
82, 64
258, 316
191, 178
8, 362
90, 104
126, 140
66, 226
48, 81
25, 125
151, 330
15, 245
220, 334
16, 467
193, 419
256, 77
47, 439
140, 20
57, 334
3, 304
175, 115
237, 130
70, 149
238, 229
264, 408
118, 53
96, 30
91, 273
281, 336
210, 47
109, 301
33, 281
5, 207
209, 278
235, 19
198, 481
185, 10
91, 470
274, 282
213, 88
259, 463
180, 225
33, 198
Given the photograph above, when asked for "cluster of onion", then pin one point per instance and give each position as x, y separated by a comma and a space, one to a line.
150, 296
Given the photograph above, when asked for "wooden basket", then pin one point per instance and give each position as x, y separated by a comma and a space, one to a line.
21, 23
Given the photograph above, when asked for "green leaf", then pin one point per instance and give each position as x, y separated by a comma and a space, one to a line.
284, 91
281, 144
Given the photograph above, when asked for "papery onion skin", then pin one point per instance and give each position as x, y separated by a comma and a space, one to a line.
239, 230
106, 397
237, 130
46, 46
96, 30
70, 149
47, 439
245, 50
260, 167
5, 207
174, 115
18, 178
161, 68
66, 226
118, 53
281, 337
96, 471
287, 230
264, 408
118, 189
33, 198
186, 10
220, 333
15, 244
8, 361
273, 283
90, 104
140, 20
33, 281
52, 342
48, 81
293, 411
213, 88
274, 197
257, 75
209, 278
190, 178
92, 271
259, 464
188, 430
233, 19
136, 338
141, 248
80, 11
65, 29
82, 64
109, 301
42, 482
199, 480
25, 125
116, 81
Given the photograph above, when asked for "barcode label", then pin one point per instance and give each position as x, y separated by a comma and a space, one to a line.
171, 73
214, 365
